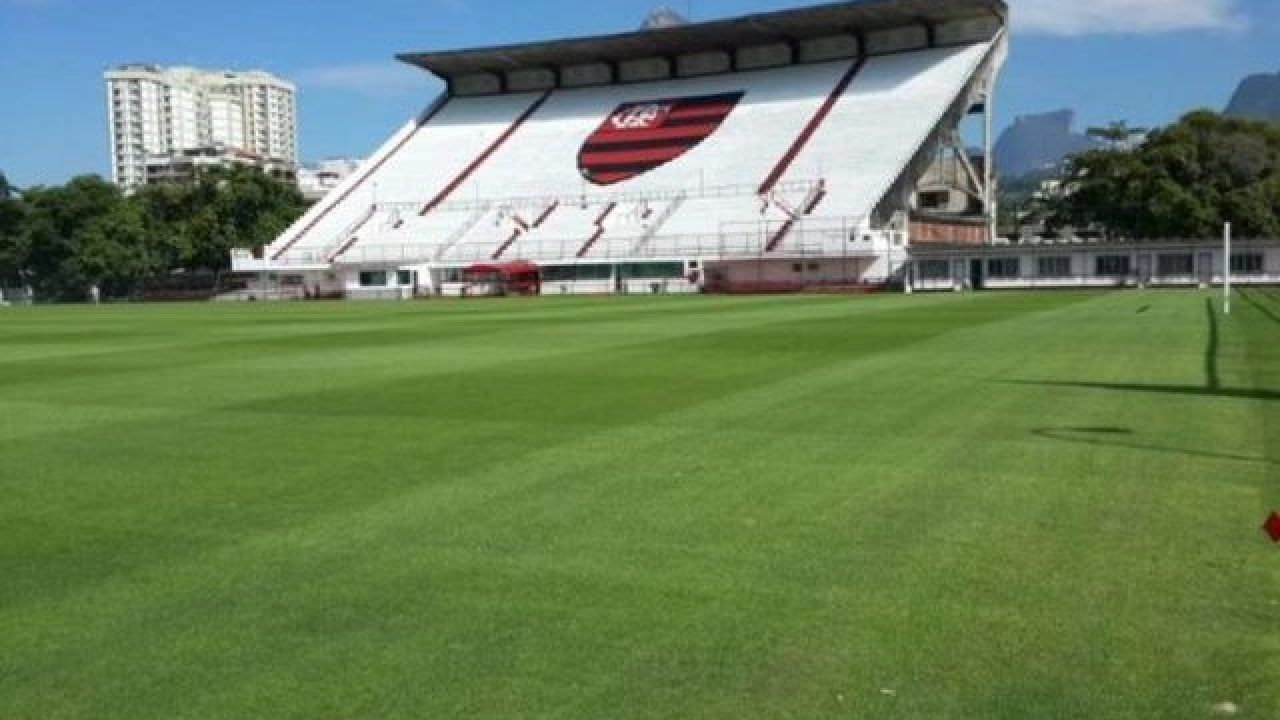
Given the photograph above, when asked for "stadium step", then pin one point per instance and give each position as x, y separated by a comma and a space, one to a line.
600, 229
546, 214
811, 201
779, 236
342, 250
656, 226
341, 198
502, 139
784, 163
456, 237
816, 196
515, 235
352, 233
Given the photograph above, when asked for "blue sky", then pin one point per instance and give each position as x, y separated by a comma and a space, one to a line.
1143, 60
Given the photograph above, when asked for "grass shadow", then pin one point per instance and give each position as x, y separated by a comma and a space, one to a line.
1211, 378
1112, 437
1212, 383
1186, 390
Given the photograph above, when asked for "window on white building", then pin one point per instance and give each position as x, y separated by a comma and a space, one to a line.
1054, 267
373, 279
1113, 265
934, 269
1004, 267
1174, 265
1247, 264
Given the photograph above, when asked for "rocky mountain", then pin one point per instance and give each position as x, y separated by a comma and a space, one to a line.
663, 17
1257, 98
1037, 142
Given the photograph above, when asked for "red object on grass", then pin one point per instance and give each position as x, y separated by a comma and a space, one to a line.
1272, 526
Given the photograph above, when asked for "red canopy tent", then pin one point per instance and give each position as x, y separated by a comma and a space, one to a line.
518, 277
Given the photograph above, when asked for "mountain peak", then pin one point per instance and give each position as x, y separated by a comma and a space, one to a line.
663, 17
1038, 143
1257, 98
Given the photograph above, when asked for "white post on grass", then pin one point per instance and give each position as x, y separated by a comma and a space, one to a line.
1226, 269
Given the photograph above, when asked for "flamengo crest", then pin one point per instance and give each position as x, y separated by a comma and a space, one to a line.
640, 136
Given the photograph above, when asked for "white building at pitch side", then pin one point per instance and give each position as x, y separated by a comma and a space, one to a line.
773, 151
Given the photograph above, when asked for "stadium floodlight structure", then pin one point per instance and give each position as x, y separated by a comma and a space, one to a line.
762, 150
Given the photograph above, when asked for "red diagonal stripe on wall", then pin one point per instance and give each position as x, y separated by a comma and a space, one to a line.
488, 152
784, 163
354, 186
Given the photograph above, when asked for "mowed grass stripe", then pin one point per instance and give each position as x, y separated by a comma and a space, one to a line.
193, 446
840, 510
284, 338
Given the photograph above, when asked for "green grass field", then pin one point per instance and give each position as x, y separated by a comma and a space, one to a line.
994, 506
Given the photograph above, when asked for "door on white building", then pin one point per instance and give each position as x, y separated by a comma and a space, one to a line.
1204, 267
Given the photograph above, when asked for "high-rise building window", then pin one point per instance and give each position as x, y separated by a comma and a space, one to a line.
171, 110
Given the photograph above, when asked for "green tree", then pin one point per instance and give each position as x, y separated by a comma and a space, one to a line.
113, 252
1117, 135
63, 240
79, 235
1185, 181
14, 249
236, 208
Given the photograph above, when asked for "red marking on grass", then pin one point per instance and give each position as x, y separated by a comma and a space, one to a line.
1272, 527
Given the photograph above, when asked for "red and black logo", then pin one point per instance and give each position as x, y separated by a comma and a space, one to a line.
640, 136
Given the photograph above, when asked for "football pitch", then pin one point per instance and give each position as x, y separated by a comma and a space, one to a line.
986, 506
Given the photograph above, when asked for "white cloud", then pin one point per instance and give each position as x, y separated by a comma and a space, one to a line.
1140, 17
379, 79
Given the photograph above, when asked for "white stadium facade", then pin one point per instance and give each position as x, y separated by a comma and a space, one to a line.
767, 151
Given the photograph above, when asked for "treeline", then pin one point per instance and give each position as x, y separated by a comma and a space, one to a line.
61, 241
1184, 181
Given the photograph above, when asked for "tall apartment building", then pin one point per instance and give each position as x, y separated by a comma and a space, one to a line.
158, 111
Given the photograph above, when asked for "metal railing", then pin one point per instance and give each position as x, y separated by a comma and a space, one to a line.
671, 209
812, 237
597, 199
477, 214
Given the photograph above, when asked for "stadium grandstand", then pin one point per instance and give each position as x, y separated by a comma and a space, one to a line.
775, 150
